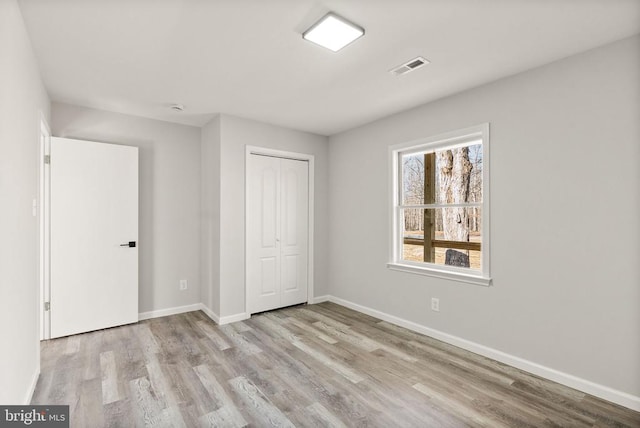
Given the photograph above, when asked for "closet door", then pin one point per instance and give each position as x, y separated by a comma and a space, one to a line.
277, 232
263, 230
294, 231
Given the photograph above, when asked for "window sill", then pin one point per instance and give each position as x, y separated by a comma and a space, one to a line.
444, 274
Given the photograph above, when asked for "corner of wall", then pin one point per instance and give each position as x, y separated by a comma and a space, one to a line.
210, 216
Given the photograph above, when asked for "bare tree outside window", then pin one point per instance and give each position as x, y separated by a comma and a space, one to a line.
454, 173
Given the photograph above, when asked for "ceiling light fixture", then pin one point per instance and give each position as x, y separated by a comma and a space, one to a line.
333, 32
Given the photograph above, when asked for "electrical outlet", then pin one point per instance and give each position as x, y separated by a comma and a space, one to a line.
435, 304
183, 284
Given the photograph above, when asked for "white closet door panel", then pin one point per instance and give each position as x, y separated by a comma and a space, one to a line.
295, 230
94, 209
268, 277
290, 201
290, 280
268, 208
263, 249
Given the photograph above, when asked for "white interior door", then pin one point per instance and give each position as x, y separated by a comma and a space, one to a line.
94, 234
277, 232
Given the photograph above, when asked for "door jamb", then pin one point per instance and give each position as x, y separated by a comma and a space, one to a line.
264, 151
44, 228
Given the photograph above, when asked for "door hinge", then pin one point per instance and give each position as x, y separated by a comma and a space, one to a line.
47, 159
47, 306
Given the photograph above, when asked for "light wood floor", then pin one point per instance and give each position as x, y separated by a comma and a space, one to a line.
320, 365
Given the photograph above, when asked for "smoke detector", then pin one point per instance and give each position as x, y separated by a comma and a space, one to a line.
408, 66
177, 107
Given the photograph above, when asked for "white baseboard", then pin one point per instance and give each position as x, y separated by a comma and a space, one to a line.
215, 317
601, 391
245, 316
319, 299
190, 308
170, 311
32, 387
234, 318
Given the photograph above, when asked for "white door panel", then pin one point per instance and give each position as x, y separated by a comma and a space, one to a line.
262, 230
94, 209
269, 277
277, 232
289, 206
290, 274
294, 224
268, 205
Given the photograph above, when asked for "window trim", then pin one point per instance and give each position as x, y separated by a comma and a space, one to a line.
437, 142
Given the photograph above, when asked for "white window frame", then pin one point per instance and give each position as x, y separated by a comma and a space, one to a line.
396, 237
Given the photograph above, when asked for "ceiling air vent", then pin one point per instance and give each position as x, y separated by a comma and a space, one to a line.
409, 66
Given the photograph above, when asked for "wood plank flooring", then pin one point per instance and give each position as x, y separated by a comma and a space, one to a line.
307, 366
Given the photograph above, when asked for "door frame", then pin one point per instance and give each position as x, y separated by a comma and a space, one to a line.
264, 151
44, 227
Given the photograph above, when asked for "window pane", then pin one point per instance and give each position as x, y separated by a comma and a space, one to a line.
444, 177
413, 234
453, 236
413, 176
475, 177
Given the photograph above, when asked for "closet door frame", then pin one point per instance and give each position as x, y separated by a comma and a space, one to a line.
264, 151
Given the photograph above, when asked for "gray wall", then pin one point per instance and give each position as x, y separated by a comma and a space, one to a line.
565, 210
22, 101
210, 215
169, 226
235, 134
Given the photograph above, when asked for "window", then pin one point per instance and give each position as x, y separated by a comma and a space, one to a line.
440, 210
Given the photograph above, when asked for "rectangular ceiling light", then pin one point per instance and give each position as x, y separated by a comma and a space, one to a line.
333, 32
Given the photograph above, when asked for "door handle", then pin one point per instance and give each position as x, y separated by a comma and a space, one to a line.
129, 244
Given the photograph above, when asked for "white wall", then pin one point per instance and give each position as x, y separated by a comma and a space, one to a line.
235, 135
565, 207
169, 222
22, 100
210, 215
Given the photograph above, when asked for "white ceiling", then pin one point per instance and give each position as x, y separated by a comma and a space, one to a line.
247, 57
